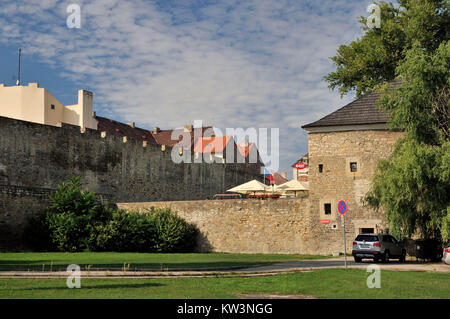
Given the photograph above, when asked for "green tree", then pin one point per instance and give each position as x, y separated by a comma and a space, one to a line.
413, 186
76, 221
73, 216
372, 59
420, 105
174, 234
412, 46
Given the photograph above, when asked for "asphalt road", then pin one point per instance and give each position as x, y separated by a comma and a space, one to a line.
409, 265
273, 269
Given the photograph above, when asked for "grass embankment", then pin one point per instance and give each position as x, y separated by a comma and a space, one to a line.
329, 283
137, 261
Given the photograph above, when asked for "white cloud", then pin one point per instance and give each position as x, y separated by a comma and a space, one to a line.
251, 63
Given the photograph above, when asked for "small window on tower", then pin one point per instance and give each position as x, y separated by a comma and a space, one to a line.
327, 208
366, 231
52, 106
320, 168
353, 167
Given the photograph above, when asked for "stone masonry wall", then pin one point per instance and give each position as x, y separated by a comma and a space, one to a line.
274, 226
335, 151
16, 205
35, 158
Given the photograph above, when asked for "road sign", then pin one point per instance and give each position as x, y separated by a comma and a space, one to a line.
342, 207
300, 165
325, 221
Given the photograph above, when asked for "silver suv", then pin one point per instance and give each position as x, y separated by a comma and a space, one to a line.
379, 247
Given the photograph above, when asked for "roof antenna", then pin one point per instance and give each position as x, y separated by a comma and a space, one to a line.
18, 72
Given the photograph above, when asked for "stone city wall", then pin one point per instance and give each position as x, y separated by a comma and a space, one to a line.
271, 226
35, 158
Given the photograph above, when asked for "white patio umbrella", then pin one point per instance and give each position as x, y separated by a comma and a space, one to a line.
293, 186
249, 187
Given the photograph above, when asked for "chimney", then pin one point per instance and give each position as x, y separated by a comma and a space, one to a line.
284, 175
132, 124
156, 130
85, 101
188, 128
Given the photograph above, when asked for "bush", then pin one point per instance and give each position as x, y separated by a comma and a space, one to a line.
161, 230
75, 221
127, 231
174, 234
37, 233
73, 217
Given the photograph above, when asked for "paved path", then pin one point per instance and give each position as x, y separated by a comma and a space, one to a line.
273, 269
410, 265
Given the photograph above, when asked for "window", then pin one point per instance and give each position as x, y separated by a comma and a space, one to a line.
387, 239
393, 240
353, 167
320, 168
370, 238
327, 208
366, 231
52, 106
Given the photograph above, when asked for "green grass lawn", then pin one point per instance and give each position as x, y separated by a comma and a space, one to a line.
329, 283
138, 261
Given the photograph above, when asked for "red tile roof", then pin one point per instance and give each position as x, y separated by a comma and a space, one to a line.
162, 137
278, 179
244, 150
210, 144
215, 144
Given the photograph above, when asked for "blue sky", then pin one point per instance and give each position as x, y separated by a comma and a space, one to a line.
167, 63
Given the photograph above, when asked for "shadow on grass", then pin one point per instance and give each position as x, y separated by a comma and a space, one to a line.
38, 265
111, 286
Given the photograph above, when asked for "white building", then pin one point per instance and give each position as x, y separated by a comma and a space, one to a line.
34, 104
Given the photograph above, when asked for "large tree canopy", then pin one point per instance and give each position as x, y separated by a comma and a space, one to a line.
412, 46
413, 187
372, 59
420, 105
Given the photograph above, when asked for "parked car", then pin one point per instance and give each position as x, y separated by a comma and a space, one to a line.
264, 196
228, 196
446, 255
379, 247
428, 249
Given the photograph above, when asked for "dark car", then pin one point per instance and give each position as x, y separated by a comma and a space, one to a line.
428, 249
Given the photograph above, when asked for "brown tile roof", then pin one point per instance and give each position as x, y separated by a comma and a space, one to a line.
162, 137
360, 111
111, 126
